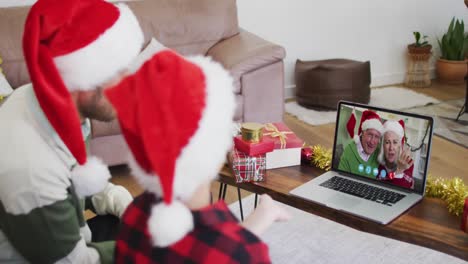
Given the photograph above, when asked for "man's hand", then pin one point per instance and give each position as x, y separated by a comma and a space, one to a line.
113, 200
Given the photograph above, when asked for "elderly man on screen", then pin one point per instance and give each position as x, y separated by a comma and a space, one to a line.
360, 156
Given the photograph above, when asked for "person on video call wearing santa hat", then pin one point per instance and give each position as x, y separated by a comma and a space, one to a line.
73, 50
360, 155
176, 117
396, 164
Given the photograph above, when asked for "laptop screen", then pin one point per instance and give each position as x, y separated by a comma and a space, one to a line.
383, 145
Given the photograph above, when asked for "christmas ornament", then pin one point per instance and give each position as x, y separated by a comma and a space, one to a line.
306, 154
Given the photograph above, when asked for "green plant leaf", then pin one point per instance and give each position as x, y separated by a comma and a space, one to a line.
417, 36
453, 43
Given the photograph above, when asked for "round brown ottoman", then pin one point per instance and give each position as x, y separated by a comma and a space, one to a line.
321, 84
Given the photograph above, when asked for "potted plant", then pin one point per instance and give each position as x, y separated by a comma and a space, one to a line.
420, 45
452, 65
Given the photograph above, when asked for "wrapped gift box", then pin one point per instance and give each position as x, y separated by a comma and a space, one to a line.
251, 148
288, 146
247, 168
464, 224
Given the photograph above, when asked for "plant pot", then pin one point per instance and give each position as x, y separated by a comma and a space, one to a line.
451, 72
413, 49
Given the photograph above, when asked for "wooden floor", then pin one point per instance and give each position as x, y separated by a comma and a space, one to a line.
447, 159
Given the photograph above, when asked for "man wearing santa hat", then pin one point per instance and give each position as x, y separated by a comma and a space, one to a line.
176, 116
360, 155
73, 50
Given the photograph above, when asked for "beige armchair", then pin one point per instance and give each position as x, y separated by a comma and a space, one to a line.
207, 27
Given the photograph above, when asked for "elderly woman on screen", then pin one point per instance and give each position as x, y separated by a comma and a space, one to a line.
396, 164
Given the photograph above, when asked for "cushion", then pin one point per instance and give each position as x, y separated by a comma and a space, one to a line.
321, 84
187, 26
11, 32
152, 48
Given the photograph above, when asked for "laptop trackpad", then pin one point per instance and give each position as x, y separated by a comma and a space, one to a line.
343, 201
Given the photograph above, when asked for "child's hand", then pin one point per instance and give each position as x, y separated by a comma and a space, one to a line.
266, 213
272, 209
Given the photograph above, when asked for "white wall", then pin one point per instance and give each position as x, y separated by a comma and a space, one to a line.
374, 30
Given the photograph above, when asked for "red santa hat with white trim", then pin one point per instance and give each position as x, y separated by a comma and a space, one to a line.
369, 120
77, 45
176, 116
397, 127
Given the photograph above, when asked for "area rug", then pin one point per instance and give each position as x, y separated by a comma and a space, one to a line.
400, 98
307, 238
444, 115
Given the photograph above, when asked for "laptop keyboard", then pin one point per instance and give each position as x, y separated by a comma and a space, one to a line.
363, 190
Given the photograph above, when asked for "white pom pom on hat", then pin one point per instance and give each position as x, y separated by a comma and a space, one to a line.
90, 178
173, 111
168, 223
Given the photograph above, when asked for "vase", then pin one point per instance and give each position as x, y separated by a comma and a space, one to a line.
451, 72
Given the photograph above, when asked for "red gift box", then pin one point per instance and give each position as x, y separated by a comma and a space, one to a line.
282, 136
247, 168
287, 146
252, 149
464, 224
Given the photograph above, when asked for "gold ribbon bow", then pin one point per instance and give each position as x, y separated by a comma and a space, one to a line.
274, 132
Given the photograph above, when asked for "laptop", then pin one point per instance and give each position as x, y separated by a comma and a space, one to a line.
373, 190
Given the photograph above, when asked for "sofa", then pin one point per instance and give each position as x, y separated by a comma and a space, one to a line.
191, 27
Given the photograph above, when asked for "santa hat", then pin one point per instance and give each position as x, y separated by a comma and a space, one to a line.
398, 127
77, 45
369, 120
176, 116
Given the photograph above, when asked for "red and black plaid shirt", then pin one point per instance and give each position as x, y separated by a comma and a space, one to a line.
217, 238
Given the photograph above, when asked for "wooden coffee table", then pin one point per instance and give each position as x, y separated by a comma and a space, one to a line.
427, 224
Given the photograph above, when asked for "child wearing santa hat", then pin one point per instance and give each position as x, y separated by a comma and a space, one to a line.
176, 116
73, 49
396, 164
360, 155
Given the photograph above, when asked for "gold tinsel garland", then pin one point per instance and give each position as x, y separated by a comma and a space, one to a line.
321, 157
452, 191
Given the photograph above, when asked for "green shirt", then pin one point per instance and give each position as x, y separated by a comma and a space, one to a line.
352, 162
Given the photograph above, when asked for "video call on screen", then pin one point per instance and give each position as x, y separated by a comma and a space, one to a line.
385, 152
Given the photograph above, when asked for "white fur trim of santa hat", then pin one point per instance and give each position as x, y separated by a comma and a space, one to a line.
169, 223
106, 57
149, 181
395, 127
214, 134
372, 124
369, 124
90, 178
